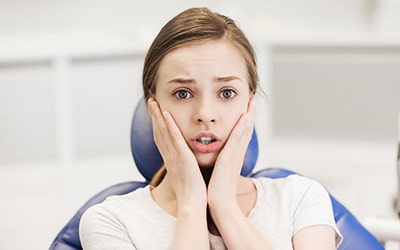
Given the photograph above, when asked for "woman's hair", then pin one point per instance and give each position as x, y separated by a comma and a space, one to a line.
195, 26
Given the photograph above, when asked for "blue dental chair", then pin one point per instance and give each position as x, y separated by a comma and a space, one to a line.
148, 160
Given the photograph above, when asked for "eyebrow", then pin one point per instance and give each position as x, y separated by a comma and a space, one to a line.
181, 80
227, 78
217, 79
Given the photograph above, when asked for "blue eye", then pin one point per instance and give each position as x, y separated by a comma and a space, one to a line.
182, 94
227, 94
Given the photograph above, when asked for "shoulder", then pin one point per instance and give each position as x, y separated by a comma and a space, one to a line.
112, 212
304, 200
293, 185
114, 205
104, 224
298, 195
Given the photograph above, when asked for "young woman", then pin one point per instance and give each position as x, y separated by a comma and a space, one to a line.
199, 80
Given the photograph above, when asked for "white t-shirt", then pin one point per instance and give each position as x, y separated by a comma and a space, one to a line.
135, 221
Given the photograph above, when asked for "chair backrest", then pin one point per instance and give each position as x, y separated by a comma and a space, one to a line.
148, 161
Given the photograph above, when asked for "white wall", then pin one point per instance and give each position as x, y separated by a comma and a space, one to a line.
44, 16
70, 79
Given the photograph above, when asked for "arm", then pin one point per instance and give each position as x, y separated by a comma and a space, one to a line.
236, 231
315, 238
184, 181
191, 228
314, 224
233, 225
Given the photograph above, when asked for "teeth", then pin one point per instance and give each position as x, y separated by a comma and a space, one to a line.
205, 140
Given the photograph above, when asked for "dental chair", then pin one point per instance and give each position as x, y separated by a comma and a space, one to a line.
148, 160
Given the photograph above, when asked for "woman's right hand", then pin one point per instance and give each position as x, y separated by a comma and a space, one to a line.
180, 162
184, 178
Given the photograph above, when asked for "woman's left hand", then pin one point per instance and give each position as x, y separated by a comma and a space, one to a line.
236, 231
223, 184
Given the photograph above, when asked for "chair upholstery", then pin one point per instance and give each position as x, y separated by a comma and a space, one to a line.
148, 160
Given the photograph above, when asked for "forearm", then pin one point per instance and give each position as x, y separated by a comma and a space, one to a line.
235, 229
191, 229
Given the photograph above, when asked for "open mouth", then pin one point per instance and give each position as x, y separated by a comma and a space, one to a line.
205, 143
205, 140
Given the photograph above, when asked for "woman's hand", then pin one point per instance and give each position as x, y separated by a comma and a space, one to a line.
185, 179
223, 184
180, 162
226, 213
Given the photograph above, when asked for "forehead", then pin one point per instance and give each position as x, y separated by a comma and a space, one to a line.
208, 47
214, 57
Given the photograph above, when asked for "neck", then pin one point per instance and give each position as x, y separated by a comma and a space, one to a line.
206, 172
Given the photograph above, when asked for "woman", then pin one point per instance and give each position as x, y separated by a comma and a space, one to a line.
199, 80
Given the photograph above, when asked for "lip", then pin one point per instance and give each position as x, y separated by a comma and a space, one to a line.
205, 148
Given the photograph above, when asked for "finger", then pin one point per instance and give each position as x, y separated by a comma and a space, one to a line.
157, 119
167, 135
237, 144
153, 107
252, 105
245, 125
241, 133
160, 130
164, 120
176, 136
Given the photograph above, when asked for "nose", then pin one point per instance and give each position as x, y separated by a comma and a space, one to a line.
205, 112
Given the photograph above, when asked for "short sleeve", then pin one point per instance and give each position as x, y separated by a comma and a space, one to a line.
313, 207
99, 230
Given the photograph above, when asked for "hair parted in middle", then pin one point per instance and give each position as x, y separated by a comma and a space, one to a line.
195, 26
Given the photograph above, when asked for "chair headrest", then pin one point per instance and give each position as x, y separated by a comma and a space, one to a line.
146, 155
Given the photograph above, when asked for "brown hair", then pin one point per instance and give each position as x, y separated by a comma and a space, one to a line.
195, 25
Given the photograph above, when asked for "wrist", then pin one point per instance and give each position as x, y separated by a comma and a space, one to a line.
224, 210
191, 204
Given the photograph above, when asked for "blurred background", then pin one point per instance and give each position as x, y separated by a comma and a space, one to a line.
70, 78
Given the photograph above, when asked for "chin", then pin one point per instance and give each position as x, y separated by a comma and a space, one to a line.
206, 161
206, 166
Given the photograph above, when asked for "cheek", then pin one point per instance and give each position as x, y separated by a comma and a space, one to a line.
235, 116
232, 116
179, 118
235, 113
239, 108
178, 114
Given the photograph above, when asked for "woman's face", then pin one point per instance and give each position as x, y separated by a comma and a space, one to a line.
205, 88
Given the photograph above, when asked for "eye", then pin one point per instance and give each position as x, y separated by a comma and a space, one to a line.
227, 94
182, 94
